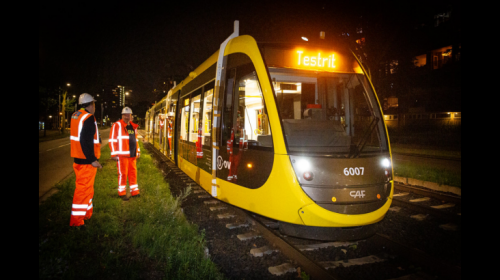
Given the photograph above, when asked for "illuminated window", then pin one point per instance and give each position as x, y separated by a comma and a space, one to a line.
207, 114
194, 120
184, 123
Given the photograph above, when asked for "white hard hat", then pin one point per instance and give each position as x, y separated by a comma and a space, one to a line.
126, 110
85, 98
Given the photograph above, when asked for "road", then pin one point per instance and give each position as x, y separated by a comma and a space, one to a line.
55, 162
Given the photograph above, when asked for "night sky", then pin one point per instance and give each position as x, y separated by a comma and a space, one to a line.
139, 44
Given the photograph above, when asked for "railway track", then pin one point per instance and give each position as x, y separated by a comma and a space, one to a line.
428, 202
270, 255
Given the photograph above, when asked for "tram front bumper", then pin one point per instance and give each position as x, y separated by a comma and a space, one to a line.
317, 216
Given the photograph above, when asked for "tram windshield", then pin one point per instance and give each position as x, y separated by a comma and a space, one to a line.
328, 113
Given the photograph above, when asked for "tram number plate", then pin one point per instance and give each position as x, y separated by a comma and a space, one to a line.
354, 171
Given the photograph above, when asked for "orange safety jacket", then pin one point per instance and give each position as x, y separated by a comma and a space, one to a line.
119, 139
77, 120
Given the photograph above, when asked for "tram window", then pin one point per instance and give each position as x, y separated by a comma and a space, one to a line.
170, 125
207, 114
227, 119
194, 121
343, 118
252, 123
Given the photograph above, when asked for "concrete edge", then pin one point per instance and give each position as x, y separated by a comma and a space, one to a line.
428, 185
52, 190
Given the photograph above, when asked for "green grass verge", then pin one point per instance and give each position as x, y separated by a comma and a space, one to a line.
144, 238
414, 149
425, 173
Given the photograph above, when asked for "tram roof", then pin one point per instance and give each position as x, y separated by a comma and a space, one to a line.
338, 46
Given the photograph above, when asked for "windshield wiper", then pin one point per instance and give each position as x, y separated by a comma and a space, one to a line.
356, 149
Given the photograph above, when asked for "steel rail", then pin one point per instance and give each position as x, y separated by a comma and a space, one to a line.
430, 193
432, 264
315, 270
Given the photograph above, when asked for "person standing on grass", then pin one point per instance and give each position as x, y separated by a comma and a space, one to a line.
86, 151
125, 150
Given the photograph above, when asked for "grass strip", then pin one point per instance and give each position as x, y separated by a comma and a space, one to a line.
425, 173
426, 151
144, 238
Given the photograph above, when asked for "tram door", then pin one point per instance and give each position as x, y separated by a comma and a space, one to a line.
246, 148
174, 112
169, 126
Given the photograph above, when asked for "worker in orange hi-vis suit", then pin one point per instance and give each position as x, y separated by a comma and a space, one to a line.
169, 131
162, 123
86, 150
125, 150
199, 145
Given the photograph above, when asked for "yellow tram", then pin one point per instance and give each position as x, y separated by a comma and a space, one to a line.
292, 133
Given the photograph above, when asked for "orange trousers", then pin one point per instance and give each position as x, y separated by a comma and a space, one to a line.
127, 168
84, 193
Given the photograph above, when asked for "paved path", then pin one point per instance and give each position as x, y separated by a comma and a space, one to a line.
55, 163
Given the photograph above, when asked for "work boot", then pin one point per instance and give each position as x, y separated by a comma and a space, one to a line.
124, 197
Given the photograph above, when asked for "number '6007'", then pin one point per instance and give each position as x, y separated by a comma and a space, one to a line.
354, 171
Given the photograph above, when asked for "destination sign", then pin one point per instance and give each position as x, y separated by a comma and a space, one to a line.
312, 59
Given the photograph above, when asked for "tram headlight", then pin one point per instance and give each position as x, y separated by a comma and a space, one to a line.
386, 163
303, 165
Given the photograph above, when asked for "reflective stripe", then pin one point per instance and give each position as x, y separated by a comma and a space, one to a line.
78, 213
90, 207
120, 148
120, 153
123, 137
112, 140
80, 126
80, 206
74, 138
97, 133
